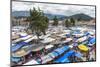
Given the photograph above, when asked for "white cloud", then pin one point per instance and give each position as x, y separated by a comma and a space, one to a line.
54, 8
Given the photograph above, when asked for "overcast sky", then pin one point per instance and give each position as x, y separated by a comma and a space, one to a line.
58, 9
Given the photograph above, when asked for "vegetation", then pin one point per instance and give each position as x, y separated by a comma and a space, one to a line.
72, 21
79, 19
69, 22
38, 22
55, 23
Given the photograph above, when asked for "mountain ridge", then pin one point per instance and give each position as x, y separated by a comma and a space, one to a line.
81, 16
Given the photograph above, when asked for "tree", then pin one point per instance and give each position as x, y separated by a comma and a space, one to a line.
67, 23
44, 24
72, 21
55, 23
38, 22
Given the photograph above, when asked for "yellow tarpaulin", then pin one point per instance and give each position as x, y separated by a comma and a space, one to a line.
83, 47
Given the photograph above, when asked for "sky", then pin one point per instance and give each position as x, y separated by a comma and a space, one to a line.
58, 9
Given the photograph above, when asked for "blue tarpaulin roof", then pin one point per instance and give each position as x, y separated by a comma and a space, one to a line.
76, 32
87, 33
15, 59
63, 58
18, 46
68, 35
62, 49
78, 54
66, 60
55, 54
91, 41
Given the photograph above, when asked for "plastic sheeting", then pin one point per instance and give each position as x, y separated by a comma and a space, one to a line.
62, 49
83, 47
18, 46
78, 54
54, 54
91, 41
31, 62
64, 58
15, 59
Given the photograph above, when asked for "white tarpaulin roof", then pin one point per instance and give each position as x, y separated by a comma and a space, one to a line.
45, 36
78, 35
17, 40
67, 40
67, 31
23, 38
82, 39
31, 62
27, 37
23, 34
48, 46
30, 39
47, 40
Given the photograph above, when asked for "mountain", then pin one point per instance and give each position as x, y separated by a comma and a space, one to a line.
26, 14
51, 16
20, 13
81, 16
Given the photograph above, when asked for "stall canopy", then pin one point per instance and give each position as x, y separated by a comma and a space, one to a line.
53, 54
18, 46
31, 62
17, 40
46, 59
23, 34
59, 51
47, 40
26, 37
44, 36
20, 53
15, 59
49, 46
83, 47
92, 41
82, 39
86, 33
22, 38
78, 54
37, 47
62, 49
30, 39
64, 58
68, 35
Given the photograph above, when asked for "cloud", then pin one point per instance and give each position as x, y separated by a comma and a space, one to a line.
59, 9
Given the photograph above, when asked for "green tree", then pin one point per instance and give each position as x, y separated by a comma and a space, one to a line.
67, 23
38, 22
79, 19
55, 23
44, 24
72, 21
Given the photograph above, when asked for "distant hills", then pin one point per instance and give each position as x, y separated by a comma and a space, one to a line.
81, 16
20, 13
51, 16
